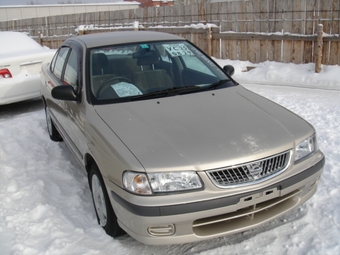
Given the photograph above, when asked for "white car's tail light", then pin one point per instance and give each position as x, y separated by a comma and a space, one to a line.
5, 73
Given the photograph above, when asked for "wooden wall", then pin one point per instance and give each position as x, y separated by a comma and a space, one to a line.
254, 30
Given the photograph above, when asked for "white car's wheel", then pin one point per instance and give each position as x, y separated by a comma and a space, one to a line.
105, 214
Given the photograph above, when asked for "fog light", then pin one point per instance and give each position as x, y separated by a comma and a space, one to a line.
167, 230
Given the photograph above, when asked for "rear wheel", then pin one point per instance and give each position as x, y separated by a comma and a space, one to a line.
104, 211
52, 131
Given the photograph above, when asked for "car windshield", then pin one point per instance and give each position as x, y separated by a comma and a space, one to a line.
140, 71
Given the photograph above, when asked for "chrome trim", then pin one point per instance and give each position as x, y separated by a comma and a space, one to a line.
31, 63
251, 172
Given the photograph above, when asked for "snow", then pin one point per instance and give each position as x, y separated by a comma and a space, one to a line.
297, 75
136, 24
16, 43
45, 202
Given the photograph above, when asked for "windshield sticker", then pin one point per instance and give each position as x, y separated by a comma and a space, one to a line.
144, 46
178, 50
124, 89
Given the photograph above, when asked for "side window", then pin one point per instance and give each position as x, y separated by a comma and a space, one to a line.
71, 74
59, 63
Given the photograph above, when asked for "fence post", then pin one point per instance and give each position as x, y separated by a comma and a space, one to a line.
319, 44
40, 41
209, 40
135, 25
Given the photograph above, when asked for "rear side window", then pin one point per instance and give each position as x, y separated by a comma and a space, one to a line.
60, 61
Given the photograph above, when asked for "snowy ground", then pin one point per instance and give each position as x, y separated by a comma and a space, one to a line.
46, 207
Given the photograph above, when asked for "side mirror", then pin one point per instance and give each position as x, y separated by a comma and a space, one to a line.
230, 70
64, 92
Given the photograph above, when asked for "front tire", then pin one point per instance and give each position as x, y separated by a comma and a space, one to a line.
52, 131
104, 211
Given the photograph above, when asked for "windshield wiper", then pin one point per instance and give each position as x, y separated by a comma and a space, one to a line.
167, 92
217, 84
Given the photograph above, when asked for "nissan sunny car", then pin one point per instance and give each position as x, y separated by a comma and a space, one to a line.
175, 150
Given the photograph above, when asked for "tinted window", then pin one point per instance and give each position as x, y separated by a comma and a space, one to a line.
71, 75
59, 64
196, 64
120, 73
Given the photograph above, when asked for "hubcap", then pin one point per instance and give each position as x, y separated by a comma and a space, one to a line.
99, 200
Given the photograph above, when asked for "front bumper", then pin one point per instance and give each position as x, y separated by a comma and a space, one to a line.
200, 220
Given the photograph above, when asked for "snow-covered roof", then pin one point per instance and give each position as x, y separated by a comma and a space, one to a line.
13, 42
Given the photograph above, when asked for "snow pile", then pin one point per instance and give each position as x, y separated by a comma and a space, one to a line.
45, 202
103, 27
273, 73
136, 25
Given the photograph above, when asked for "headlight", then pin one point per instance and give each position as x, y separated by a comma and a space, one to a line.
306, 148
174, 181
146, 184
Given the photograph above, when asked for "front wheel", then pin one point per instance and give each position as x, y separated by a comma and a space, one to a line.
104, 211
52, 131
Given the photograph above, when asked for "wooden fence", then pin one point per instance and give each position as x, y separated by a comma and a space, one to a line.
254, 30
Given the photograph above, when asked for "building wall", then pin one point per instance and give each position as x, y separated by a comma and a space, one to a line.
19, 12
148, 3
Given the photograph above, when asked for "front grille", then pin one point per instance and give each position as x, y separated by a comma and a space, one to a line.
251, 172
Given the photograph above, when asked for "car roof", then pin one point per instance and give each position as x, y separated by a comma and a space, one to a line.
16, 43
122, 37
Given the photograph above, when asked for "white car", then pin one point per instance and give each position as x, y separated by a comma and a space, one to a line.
20, 63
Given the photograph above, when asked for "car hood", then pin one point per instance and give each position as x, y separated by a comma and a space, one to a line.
204, 130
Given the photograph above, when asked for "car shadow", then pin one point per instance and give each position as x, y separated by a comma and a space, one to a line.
27, 106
